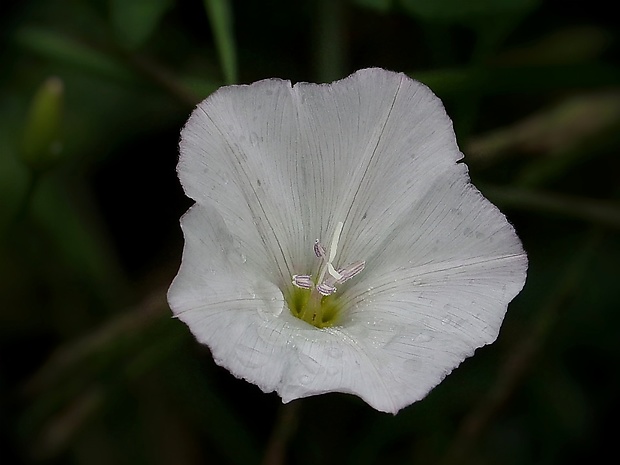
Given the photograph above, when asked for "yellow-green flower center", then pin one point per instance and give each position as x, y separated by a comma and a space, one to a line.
313, 301
313, 308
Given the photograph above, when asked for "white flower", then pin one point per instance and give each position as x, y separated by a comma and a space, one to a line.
335, 243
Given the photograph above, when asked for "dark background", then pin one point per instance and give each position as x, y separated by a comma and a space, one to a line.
93, 369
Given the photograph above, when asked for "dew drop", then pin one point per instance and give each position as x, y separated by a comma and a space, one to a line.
335, 352
243, 258
362, 333
423, 337
412, 365
304, 379
332, 370
309, 363
268, 307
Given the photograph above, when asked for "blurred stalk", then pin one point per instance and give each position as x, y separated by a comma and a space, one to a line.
67, 391
71, 355
62, 49
284, 429
123, 66
604, 213
192, 384
164, 79
77, 233
555, 140
220, 17
26, 200
518, 80
571, 45
330, 40
41, 147
521, 357
575, 124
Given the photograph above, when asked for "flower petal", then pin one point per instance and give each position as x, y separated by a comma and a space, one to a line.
231, 149
285, 165
241, 319
440, 287
377, 139
274, 168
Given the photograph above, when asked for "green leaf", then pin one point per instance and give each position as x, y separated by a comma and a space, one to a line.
135, 20
220, 17
379, 5
464, 11
62, 49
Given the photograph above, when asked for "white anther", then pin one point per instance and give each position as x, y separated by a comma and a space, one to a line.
350, 271
319, 250
302, 281
325, 289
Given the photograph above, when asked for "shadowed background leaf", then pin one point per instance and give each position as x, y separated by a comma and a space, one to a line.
93, 368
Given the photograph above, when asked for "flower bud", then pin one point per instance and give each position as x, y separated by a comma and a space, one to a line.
41, 146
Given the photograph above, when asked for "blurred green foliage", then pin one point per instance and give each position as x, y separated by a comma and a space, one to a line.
93, 370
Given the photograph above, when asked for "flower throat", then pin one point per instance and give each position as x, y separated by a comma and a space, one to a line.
314, 300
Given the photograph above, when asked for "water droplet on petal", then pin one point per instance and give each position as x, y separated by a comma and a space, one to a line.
423, 337
412, 365
309, 363
304, 379
332, 370
335, 352
254, 139
267, 305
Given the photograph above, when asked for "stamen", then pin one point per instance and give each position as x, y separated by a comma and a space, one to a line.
302, 281
350, 271
319, 250
325, 289
311, 307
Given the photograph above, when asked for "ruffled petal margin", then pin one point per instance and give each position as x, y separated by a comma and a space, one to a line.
272, 167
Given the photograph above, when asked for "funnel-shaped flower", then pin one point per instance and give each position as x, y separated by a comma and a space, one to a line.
335, 243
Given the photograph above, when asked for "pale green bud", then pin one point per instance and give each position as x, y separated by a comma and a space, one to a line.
41, 144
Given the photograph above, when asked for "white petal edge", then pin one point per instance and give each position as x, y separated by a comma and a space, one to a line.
285, 164
289, 185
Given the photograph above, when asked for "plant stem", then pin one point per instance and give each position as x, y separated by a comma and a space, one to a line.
283, 430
